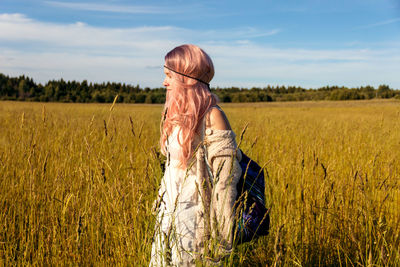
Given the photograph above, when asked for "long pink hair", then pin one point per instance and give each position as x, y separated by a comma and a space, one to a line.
189, 99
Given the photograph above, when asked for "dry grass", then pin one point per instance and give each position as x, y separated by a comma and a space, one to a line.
77, 182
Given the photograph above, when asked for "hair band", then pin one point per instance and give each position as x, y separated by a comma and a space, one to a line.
208, 85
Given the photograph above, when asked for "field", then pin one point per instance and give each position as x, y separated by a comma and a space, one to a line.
77, 182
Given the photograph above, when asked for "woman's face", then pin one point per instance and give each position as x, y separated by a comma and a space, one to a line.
168, 81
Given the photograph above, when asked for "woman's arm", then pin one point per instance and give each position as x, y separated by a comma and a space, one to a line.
226, 171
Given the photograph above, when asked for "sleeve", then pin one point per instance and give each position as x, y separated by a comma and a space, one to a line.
223, 158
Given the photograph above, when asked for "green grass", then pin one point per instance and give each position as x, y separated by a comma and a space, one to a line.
77, 182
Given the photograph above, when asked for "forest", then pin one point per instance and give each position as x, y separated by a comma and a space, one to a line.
24, 88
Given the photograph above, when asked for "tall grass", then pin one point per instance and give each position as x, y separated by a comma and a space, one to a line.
77, 182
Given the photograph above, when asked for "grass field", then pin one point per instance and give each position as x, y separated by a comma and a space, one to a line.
77, 182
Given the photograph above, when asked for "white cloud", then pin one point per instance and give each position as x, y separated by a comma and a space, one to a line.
381, 23
14, 18
79, 51
79, 66
16, 27
257, 65
130, 9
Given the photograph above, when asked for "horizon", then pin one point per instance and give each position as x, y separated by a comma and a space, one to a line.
313, 44
211, 87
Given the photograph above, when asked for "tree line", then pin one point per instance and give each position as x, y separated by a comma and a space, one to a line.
23, 88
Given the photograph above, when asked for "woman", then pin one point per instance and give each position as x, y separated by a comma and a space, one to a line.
198, 190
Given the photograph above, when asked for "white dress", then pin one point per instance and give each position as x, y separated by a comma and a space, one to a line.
174, 238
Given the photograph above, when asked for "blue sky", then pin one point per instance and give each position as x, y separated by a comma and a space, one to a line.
310, 43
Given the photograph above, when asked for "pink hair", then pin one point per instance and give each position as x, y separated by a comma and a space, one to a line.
189, 99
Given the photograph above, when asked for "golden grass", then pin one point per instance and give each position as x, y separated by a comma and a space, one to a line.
77, 182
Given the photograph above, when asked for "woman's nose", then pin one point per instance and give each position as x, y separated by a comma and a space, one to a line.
165, 83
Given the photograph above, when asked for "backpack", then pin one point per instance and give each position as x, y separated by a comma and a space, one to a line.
252, 216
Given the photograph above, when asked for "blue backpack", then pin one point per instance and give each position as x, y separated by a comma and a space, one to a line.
252, 219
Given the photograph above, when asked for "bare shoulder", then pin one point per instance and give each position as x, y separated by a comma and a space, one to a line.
218, 120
